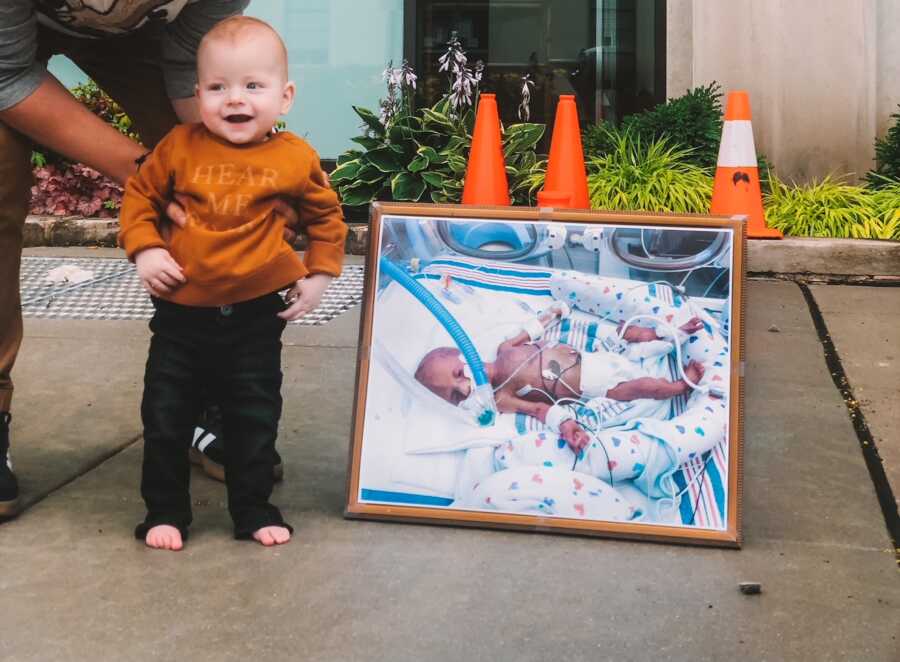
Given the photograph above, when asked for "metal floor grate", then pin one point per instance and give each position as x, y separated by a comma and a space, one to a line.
115, 293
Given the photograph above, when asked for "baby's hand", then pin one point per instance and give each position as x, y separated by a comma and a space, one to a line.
637, 334
560, 308
159, 273
574, 435
692, 325
305, 295
694, 371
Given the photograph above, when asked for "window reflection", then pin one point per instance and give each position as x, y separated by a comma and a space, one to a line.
609, 53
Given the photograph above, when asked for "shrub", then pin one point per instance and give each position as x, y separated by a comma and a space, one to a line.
64, 188
104, 107
693, 120
829, 208
887, 157
886, 203
656, 175
67, 189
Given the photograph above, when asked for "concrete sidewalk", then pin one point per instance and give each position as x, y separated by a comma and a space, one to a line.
77, 586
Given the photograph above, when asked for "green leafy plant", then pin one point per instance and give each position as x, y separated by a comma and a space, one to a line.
104, 107
421, 155
830, 208
654, 175
693, 120
887, 157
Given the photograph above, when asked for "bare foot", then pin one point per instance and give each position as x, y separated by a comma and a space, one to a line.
272, 535
635, 333
163, 536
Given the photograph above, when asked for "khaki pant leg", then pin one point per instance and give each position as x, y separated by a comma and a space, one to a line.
129, 72
15, 193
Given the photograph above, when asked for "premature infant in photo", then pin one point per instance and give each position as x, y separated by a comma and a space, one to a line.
530, 375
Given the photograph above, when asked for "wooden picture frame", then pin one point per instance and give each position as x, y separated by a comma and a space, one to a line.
438, 435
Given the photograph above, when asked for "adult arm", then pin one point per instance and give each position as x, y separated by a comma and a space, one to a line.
51, 116
34, 103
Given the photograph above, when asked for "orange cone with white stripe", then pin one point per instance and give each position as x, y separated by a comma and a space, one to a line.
736, 187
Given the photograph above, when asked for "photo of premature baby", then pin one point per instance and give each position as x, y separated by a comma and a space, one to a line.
560, 370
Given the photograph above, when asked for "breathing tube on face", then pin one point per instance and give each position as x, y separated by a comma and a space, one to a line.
481, 400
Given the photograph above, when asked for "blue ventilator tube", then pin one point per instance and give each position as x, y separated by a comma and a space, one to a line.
486, 409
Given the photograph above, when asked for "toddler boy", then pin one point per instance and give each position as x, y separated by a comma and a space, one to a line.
215, 281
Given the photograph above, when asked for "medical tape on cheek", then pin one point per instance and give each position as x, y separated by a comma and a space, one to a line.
534, 329
467, 373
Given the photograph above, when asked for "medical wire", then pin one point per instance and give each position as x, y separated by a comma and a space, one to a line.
539, 352
675, 342
690, 271
674, 496
506, 381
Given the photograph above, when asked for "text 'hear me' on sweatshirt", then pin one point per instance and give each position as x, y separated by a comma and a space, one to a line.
232, 248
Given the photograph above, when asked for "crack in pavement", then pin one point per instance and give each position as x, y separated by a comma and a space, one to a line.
873, 461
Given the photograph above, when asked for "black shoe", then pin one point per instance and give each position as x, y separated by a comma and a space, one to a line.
9, 486
208, 451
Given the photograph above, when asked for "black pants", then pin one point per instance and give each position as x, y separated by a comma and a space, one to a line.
234, 354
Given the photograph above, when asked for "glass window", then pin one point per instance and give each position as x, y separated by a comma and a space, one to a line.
609, 53
66, 71
337, 50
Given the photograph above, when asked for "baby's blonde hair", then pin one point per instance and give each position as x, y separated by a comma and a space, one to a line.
232, 28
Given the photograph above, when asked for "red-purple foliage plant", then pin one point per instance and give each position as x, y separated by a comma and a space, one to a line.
68, 189
63, 188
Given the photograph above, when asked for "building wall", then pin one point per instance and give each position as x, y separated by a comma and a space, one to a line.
823, 77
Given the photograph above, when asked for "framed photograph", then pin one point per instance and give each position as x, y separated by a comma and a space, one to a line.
566, 371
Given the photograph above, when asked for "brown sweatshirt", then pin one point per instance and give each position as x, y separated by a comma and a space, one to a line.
232, 248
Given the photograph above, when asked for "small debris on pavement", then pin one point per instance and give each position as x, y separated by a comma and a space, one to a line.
68, 273
750, 588
774, 329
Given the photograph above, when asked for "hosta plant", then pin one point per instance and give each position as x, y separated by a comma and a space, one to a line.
421, 155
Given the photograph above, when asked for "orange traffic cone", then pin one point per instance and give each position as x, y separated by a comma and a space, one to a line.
736, 186
565, 170
558, 199
486, 171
